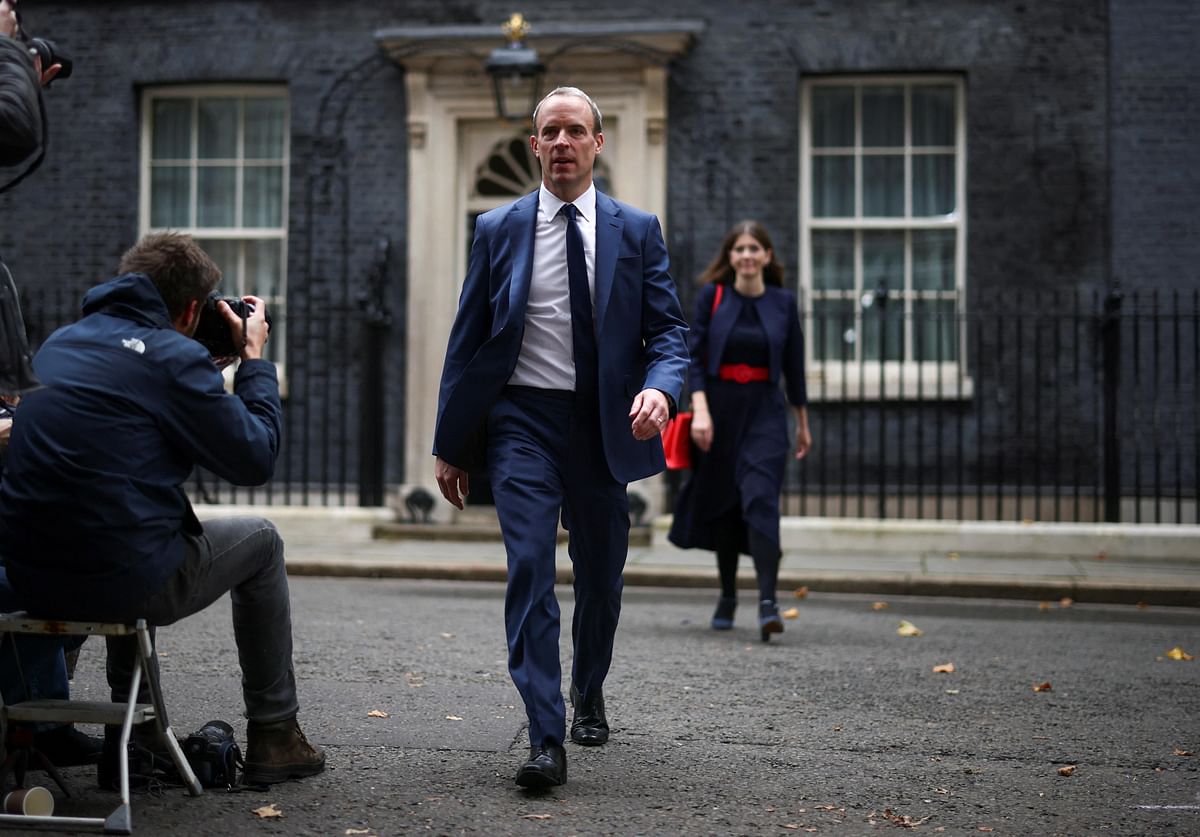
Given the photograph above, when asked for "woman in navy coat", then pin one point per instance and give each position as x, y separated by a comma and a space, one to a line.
745, 337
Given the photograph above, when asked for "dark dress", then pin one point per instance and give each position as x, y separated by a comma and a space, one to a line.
744, 468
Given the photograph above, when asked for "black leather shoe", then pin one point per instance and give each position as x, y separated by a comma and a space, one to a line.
547, 767
66, 746
589, 726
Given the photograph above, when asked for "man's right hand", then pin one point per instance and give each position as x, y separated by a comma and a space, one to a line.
454, 483
8, 19
257, 330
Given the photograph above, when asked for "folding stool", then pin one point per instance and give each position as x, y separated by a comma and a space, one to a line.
95, 712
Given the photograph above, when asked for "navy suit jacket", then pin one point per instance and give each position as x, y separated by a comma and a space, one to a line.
640, 331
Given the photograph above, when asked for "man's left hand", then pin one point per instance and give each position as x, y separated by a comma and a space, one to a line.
650, 412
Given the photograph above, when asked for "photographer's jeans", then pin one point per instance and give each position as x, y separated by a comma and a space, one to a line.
244, 557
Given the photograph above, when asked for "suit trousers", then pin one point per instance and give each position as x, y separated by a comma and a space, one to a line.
242, 556
546, 459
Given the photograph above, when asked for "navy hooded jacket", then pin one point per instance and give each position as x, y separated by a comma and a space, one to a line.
92, 509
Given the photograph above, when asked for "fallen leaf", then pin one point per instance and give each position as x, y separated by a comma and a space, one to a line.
790, 613
952, 691
537, 816
446, 636
377, 713
416, 681
1177, 653
953, 556
790, 825
350, 831
1067, 770
903, 820
453, 718
986, 828
1101, 556
1042, 687
268, 811
838, 728
879, 606
800, 592
908, 629
1066, 601
944, 668
1180, 752
1044, 605
1142, 605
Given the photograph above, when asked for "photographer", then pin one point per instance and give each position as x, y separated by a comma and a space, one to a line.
92, 504
29, 667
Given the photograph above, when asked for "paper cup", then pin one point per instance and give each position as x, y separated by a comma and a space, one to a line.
33, 802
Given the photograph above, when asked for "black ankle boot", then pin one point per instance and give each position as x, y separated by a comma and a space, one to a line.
722, 619
768, 619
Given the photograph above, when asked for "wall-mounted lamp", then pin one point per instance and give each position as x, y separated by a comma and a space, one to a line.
516, 72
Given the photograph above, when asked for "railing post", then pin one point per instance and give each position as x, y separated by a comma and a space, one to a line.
377, 320
1110, 338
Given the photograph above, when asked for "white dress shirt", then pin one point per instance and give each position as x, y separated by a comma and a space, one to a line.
547, 358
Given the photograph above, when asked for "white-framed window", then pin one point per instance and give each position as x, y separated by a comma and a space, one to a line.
214, 164
883, 233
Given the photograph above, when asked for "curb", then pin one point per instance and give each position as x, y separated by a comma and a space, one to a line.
1114, 592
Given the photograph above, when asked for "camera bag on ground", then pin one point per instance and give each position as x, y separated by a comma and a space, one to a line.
214, 755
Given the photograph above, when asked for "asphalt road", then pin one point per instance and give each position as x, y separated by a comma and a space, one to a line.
840, 727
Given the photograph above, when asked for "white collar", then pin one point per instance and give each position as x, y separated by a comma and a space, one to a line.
549, 203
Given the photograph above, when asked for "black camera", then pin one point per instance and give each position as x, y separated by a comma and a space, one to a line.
50, 53
214, 331
46, 50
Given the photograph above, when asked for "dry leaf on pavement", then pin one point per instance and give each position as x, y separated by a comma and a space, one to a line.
1066, 601
944, 668
268, 811
446, 636
1177, 653
1044, 605
800, 592
453, 718
908, 629
1181, 752
352, 831
879, 606
1067, 770
377, 713
903, 820
537, 816
790, 613
1042, 687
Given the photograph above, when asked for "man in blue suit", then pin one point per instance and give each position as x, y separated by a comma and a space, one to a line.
564, 364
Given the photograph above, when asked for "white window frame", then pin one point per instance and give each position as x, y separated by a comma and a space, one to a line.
861, 379
278, 302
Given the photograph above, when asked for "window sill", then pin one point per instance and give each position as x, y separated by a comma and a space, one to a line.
866, 382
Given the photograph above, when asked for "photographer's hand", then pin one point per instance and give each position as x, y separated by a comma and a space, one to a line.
257, 329
8, 19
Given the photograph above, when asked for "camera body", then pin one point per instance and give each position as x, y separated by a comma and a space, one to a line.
50, 53
214, 332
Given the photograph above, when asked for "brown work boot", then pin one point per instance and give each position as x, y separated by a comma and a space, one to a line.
278, 752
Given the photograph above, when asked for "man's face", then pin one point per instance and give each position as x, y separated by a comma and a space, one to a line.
566, 145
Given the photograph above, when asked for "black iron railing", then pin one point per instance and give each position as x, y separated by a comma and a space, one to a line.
1025, 406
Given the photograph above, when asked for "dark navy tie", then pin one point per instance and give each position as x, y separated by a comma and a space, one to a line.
583, 335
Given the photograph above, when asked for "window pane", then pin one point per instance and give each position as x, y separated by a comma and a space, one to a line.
264, 273
225, 253
883, 186
935, 330
833, 117
833, 329
264, 129
833, 260
218, 120
216, 204
262, 196
170, 196
833, 187
883, 262
171, 129
933, 260
883, 116
933, 184
883, 323
933, 115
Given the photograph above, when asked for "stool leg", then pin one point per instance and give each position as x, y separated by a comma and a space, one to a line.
146, 653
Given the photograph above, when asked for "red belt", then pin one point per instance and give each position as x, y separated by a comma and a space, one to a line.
742, 373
